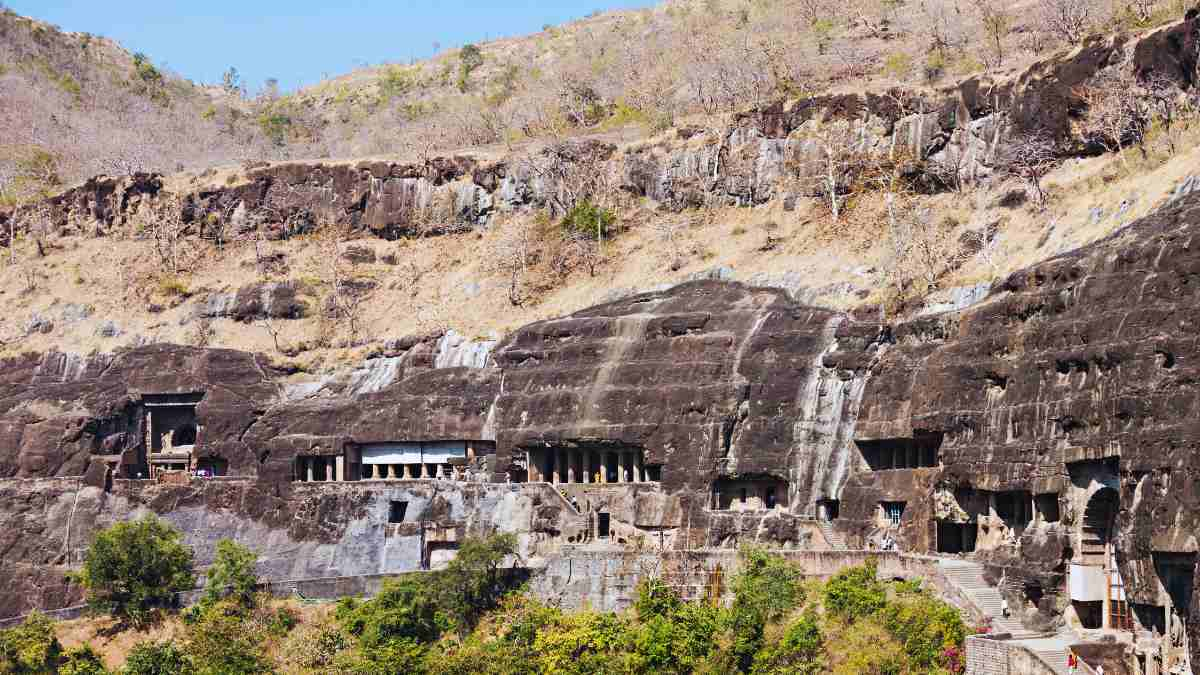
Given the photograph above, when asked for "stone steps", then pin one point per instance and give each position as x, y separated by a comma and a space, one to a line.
968, 579
1056, 659
835, 540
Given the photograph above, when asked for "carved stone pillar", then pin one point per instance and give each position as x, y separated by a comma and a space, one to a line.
308, 466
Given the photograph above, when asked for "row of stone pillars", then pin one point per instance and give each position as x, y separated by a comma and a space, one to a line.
585, 466
334, 468
408, 471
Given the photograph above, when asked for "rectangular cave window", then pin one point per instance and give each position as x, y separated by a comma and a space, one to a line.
602, 525
894, 511
770, 498
654, 473
397, 511
1047, 507
743, 496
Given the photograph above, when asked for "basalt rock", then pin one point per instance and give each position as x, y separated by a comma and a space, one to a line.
961, 127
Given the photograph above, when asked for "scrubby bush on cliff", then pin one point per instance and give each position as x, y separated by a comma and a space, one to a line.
134, 569
223, 641
82, 661
590, 221
232, 575
30, 647
157, 658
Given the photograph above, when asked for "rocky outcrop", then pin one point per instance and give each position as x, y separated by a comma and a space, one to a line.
59, 412
774, 152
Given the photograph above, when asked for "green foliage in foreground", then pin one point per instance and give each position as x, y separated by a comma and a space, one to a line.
470, 618
135, 568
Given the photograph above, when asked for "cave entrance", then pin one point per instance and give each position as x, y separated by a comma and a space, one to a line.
749, 494
603, 523
955, 538
1015, 508
828, 509
213, 466
1176, 572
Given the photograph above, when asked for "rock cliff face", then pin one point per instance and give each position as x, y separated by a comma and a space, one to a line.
1053, 423
763, 154
1057, 416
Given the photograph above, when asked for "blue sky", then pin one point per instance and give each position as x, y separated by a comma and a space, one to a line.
300, 41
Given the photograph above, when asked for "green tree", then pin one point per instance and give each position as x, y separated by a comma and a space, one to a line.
589, 220
157, 658
392, 629
673, 636
473, 583
855, 593
82, 661
30, 648
133, 569
231, 575
766, 588
221, 643
926, 626
799, 651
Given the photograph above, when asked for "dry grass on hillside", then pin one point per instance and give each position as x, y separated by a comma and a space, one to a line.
460, 281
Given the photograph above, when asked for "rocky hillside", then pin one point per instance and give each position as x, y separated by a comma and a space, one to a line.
323, 262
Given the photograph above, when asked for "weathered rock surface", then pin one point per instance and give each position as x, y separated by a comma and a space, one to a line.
747, 162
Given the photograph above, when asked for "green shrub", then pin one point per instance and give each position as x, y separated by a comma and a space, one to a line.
157, 658
469, 59
135, 568
172, 286
232, 575
764, 590
395, 82
30, 648
855, 593
898, 65
145, 70
221, 643
82, 661
405, 610
673, 636
926, 626
799, 651
589, 220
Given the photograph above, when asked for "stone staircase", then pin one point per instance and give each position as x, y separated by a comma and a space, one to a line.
836, 542
1052, 651
967, 577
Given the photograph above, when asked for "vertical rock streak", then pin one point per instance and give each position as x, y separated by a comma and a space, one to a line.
827, 410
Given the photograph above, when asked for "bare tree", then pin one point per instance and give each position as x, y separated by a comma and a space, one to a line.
1164, 94
515, 253
346, 297
997, 22
1029, 158
272, 330
163, 222
838, 160
1070, 20
1115, 115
